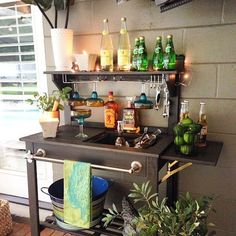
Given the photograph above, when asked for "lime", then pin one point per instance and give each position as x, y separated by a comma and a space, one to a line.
186, 122
189, 137
195, 128
179, 130
179, 140
186, 149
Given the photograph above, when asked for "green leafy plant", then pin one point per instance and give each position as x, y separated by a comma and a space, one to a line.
187, 217
44, 5
51, 103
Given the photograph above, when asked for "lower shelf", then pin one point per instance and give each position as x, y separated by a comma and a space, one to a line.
114, 229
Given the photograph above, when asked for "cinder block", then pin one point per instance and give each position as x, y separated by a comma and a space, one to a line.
229, 11
210, 44
227, 81
203, 82
196, 13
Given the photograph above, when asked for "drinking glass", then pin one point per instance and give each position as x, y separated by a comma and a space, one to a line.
94, 100
80, 115
143, 102
75, 99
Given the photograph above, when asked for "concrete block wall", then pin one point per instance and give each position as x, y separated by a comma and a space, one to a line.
203, 30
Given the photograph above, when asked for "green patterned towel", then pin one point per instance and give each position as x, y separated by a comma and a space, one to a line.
77, 193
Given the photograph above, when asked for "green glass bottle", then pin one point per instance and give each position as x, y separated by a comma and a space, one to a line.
169, 56
142, 55
158, 55
135, 55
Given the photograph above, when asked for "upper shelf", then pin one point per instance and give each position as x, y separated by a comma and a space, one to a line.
67, 76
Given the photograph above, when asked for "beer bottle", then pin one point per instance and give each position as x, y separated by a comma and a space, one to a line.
123, 48
182, 111
202, 120
142, 55
169, 55
135, 55
110, 112
106, 49
186, 109
158, 55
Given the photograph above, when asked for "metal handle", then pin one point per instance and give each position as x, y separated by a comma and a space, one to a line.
40, 155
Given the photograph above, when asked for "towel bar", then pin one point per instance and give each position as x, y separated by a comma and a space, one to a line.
40, 155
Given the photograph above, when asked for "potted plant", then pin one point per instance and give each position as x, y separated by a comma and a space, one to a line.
154, 217
50, 106
62, 38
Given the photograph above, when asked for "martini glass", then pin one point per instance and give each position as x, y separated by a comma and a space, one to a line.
143, 102
94, 100
80, 115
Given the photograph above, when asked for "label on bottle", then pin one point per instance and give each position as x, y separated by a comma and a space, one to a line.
135, 51
158, 49
123, 31
140, 50
128, 119
123, 57
110, 118
105, 57
104, 32
168, 48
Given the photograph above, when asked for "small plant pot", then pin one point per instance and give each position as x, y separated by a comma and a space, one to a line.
49, 127
48, 115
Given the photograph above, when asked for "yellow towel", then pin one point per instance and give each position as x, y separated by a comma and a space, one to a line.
77, 193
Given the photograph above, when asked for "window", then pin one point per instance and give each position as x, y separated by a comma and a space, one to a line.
18, 81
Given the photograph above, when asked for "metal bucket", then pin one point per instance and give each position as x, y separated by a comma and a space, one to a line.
56, 193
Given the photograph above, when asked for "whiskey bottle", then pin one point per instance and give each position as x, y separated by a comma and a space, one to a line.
130, 119
123, 53
106, 49
110, 112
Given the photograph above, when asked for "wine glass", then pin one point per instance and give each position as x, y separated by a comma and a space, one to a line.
143, 102
80, 115
94, 100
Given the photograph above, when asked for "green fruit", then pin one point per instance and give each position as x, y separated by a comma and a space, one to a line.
179, 130
194, 128
186, 149
186, 122
179, 140
189, 137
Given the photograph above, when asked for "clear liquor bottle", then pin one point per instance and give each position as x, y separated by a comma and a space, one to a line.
106, 49
124, 55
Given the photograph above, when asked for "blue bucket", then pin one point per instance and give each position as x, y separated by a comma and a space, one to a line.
56, 193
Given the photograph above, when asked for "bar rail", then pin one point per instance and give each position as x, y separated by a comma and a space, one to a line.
40, 155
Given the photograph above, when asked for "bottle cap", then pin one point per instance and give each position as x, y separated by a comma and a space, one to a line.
110, 93
123, 19
158, 37
129, 105
136, 39
202, 103
169, 36
105, 20
141, 38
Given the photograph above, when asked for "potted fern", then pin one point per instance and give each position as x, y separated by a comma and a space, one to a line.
154, 217
62, 38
